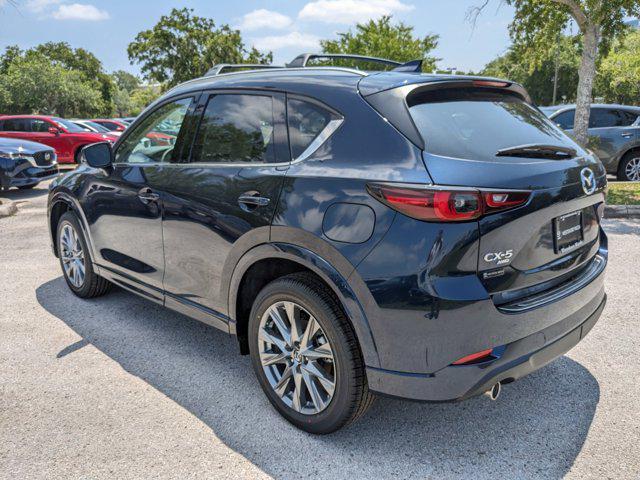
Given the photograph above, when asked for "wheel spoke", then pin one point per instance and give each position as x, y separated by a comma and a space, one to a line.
281, 386
293, 315
323, 352
280, 324
309, 333
297, 392
269, 358
327, 383
272, 339
316, 398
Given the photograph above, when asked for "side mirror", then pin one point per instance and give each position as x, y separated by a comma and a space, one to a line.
97, 155
120, 129
54, 131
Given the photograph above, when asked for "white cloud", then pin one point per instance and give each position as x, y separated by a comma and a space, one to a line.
350, 11
80, 11
263, 18
38, 6
303, 41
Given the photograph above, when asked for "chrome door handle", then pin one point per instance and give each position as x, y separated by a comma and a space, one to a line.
146, 196
627, 135
251, 200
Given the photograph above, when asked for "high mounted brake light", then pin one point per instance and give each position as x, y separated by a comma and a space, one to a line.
489, 83
445, 205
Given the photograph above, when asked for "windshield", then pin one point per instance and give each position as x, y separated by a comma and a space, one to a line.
97, 127
477, 124
68, 126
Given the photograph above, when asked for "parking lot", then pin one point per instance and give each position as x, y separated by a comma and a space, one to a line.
119, 388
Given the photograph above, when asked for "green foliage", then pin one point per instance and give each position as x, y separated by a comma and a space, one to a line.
125, 80
183, 46
618, 79
142, 97
77, 66
381, 38
537, 74
32, 84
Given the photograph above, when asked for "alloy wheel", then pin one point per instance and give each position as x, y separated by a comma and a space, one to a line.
296, 357
72, 255
632, 169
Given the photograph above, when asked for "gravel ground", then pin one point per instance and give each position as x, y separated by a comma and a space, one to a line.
119, 388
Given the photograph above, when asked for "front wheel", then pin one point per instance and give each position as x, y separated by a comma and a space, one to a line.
306, 355
75, 261
630, 167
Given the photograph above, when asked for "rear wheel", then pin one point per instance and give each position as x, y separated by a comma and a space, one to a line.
306, 356
629, 169
75, 261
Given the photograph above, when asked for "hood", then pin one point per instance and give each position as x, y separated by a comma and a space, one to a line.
16, 145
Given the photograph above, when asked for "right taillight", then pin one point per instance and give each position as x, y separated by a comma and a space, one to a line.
445, 204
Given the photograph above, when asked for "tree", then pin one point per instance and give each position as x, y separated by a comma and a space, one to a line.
142, 97
618, 79
537, 76
182, 46
381, 38
537, 24
125, 80
32, 84
60, 54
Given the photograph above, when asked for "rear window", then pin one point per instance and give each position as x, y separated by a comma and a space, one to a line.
475, 124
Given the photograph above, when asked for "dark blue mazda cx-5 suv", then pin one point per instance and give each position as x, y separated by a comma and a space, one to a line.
419, 236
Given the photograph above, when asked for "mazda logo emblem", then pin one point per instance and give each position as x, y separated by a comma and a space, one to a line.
47, 156
588, 179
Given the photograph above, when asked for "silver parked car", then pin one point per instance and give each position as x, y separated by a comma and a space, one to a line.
615, 130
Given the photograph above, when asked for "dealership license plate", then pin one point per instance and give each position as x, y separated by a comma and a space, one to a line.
569, 232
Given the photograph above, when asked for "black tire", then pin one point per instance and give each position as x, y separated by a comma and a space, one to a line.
351, 397
27, 187
93, 285
622, 175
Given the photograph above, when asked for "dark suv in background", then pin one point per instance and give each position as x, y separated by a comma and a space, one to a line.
614, 132
421, 236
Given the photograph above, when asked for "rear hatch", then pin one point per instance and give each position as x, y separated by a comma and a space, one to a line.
487, 136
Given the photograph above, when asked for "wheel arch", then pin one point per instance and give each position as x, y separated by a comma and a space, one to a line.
291, 258
622, 156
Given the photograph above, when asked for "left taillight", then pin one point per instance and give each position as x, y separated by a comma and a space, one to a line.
445, 204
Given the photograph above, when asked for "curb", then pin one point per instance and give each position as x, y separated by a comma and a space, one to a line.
622, 211
7, 209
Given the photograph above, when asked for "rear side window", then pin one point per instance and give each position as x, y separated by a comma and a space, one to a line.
14, 125
629, 118
236, 128
474, 124
306, 121
566, 119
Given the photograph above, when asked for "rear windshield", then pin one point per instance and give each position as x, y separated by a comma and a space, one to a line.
474, 124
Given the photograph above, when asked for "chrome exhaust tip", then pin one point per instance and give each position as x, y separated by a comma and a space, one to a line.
494, 392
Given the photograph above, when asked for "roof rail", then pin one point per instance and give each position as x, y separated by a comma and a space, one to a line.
303, 59
226, 67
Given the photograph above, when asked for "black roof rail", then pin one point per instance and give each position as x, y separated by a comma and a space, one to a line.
303, 59
226, 67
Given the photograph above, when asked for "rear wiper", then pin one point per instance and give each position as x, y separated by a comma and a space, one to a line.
555, 152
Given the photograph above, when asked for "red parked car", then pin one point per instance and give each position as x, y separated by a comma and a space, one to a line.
64, 136
114, 126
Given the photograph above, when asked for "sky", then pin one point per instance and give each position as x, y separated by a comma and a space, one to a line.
286, 28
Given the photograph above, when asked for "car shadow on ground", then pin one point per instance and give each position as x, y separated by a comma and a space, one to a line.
535, 429
16, 195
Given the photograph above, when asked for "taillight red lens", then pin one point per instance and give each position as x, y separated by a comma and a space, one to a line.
474, 357
459, 205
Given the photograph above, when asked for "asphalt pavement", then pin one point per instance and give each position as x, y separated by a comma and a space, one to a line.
118, 387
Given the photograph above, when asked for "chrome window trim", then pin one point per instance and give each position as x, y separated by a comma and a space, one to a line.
317, 142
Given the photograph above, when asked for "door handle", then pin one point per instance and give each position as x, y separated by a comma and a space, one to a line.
249, 201
627, 134
146, 195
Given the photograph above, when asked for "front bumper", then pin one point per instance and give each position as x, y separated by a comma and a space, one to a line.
519, 358
31, 176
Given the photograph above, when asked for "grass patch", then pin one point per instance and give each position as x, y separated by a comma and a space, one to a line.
624, 193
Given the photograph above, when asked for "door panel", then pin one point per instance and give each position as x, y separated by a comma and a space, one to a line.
224, 195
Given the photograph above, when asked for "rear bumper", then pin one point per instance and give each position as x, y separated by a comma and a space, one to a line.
519, 358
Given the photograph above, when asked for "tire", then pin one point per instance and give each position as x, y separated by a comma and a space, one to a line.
323, 412
90, 285
629, 169
27, 187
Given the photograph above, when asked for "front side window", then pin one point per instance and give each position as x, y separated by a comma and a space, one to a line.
236, 128
478, 123
148, 142
40, 126
306, 121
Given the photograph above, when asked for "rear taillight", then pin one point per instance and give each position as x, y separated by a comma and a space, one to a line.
475, 357
443, 204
